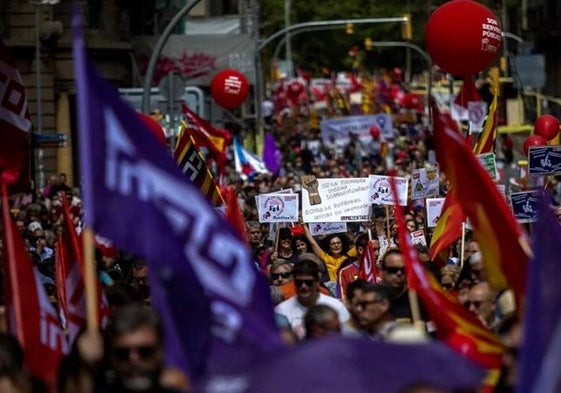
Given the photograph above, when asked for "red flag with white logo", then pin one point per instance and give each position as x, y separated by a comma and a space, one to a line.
70, 279
31, 317
368, 269
15, 124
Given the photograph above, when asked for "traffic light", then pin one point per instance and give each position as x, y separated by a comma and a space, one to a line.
349, 28
406, 28
368, 43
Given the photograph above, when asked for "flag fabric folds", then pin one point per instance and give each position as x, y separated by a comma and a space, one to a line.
247, 165
543, 307
69, 267
486, 141
193, 165
503, 244
31, 317
15, 125
272, 157
368, 268
233, 214
215, 307
455, 325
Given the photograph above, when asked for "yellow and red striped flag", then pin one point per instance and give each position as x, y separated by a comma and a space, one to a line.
193, 165
486, 141
503, 243
448, 228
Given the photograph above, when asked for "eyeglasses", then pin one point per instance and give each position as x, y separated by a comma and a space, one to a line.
475, 304
394, 270
448, 286
335, 243
308, 283
143, 351
276, 276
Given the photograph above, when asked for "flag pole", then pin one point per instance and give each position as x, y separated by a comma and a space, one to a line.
388, 223
277, 230
90, 279
462, 245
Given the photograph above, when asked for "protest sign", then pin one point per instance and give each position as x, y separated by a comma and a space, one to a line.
544, 160
341, 128
418, 237
425, 183
379, 190
434, 210
335, 200
327, 228
278, 207
489, 163
525, 206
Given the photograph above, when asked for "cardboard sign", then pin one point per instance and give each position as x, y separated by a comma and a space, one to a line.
434, 211
327, 228
489, 163
336, 200
425, 183
544, 160
278, 207
380, 190
524, 206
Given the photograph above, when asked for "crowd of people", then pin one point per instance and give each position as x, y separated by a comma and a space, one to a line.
315, 281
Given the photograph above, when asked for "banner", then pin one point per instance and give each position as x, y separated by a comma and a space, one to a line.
418, 237
489, 163
379, 190
277, 207
544, 160
434, 210
327, 228
525, 206
341, 128
335, 200
425, 183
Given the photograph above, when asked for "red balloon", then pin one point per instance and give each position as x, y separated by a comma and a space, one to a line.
534, 140
411, 101
154, 127
546, 126
463, 37
229, 88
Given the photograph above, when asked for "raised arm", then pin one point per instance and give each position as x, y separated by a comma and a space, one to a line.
315, 246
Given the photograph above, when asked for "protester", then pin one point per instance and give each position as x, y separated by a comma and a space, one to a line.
351, 272
321, 320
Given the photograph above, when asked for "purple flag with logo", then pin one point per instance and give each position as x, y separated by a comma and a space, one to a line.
540, 366
272, 157
215, 307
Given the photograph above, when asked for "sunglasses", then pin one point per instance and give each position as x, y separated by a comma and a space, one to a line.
475, 304
308, 283
276, 276
395, 270
144, 352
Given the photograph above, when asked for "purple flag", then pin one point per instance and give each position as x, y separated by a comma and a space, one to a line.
337, 364
215, 306
271, 154
543, 304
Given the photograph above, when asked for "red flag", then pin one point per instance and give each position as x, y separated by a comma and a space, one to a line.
455, 325
233, 214
486, 142
448, 228
14, 125
70, 279
503, 244
368, 269
214, 139
32, 318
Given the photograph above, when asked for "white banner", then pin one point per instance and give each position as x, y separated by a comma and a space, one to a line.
425, 183
278, 207
342, 127
380, 190
327, 228
434, 210
336, 200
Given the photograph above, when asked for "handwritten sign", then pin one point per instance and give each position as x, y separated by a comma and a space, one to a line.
278, 207
380, 190
425, 183
544, 160
434, 210
524, 206
337, 200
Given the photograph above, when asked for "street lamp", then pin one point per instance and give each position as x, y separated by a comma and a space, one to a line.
289, 70
39, 113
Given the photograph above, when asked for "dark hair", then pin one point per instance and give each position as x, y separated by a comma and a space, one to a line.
11, 353
307, 268
317, 316
132, 317
301, 238
344, 241
389, 251
354, 286
361, 240
284, 233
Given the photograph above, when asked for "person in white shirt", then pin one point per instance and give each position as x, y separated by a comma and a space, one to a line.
307, 280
